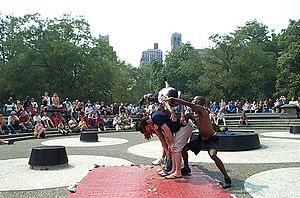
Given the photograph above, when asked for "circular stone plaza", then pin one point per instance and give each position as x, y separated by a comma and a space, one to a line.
270, 171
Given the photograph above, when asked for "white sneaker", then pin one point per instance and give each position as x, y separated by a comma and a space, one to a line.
104, 128
157, 161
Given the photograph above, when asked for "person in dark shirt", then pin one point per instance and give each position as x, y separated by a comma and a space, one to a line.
172, 135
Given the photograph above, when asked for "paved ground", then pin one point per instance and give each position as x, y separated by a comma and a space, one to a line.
271, 171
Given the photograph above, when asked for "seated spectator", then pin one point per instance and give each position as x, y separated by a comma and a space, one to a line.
55, 119
25, 120
35, 118
266, 106
7, 142
9, 107
254, 105
55, 101
122, 108
103, 108
34, 104
3, 125
293, 101
243, 119
64, 112
46, 102
220, 117
99, 123
128, 122
238, 106
105, 121
73, 124
271, 105
47, 122
212, 116
88, 109
19, 107
39, 130
92, 119
82, 124
122, 117
259, 107
247, 107
281, 101
13, 122
63, 127
117, 122
27, 103
230, 108
214, 107
222, 105
67, 103
276, 106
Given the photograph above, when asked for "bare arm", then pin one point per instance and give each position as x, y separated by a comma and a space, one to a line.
168, 136
161, 138
183, 102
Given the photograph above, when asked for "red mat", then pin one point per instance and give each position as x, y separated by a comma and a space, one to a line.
143, 181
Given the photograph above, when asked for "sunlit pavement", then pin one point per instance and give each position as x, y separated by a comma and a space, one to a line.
257, 173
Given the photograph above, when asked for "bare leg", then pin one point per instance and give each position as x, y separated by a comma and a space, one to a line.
221, 167
218, 162
185, 157
173, 164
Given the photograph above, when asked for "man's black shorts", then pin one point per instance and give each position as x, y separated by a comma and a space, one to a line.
200, 143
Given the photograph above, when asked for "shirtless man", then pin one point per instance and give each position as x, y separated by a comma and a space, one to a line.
207, 139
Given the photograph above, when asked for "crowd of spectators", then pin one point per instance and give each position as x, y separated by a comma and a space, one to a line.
74, 116
65, 115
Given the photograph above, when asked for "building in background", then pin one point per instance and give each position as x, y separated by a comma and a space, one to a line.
151, 55
176, 40
106, 37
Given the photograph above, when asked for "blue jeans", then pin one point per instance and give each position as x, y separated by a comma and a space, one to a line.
12, 129
5, 129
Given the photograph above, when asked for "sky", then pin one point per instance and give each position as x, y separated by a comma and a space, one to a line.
134, 26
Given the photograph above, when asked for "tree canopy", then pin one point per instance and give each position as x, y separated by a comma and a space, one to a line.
60, 55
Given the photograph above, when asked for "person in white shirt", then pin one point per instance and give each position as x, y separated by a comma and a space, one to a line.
221, 117
46, 120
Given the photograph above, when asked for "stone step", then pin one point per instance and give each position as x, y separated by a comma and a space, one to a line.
259, 128
53, 133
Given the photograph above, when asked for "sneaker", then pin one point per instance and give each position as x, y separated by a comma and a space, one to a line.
185, 171
227, 183
99, 129
157, 161
11, 142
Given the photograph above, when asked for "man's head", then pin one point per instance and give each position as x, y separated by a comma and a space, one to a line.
199, 100
144, 125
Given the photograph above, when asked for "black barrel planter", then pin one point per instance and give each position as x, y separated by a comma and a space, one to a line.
236, 141
295, 129
44, 157
89, 136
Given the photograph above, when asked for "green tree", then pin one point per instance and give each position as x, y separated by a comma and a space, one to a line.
183, 67
288, 64
240, 65
57, 55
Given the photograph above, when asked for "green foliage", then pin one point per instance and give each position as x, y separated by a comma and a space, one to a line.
288, 64
60, 55
183, 66
240, 66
